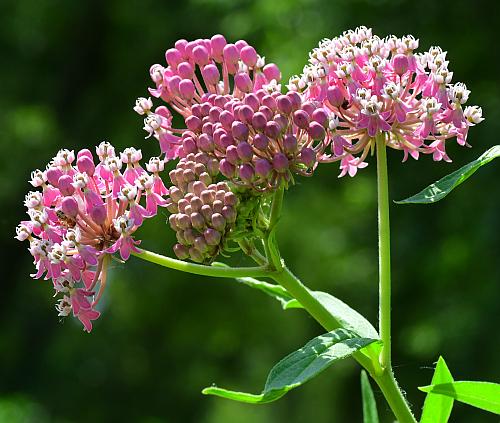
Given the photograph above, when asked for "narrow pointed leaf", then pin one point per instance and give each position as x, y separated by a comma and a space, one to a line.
276, 291
484, 395
440, 189
300, 366
370, 414
437, 408
347, 317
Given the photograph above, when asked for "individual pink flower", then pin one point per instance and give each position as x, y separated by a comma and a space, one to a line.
125, 244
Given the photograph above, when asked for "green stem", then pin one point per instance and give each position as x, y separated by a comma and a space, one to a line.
384, 379
270, 244
248, 247
303, 295
394, 397
384, 245
200, 269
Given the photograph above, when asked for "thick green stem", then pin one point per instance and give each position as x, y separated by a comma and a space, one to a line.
200, 269
271, 247
384, 245
394, 397
384, 379
303, 295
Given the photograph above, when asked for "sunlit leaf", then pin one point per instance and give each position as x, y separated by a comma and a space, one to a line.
345, 315
484, 395
276, 291
440, 189
370, 414
300, 366
437, 408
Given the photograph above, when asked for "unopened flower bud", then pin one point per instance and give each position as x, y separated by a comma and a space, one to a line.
218, 222
263, 167
245, 151
53, 174
272, 129
69, 206
248, 56
320, 116
186, 89
243, 82
229, 214
290, 143
195, 255
307, 156
335, 96
181, 251
230, 199
280, 162
246, 172
210, 74
200, 244
271, 71
400, 64
183, 221
301, 119
316, 131
212, 236
86, 164
239, 131
65, 185
193, 123
98, 214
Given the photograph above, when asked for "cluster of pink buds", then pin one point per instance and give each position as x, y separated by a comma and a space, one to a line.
259, 136
380, 87
260, 139
198, 68
203, 212
84, 213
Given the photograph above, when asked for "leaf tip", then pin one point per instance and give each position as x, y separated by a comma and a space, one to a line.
209, 390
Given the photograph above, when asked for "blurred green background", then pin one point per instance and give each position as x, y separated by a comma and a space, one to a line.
70, 72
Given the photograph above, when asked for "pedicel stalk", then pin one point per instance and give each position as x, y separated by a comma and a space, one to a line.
242, 146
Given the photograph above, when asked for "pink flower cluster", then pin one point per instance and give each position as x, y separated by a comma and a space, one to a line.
259, 136
83, 214
203, 212
381, 87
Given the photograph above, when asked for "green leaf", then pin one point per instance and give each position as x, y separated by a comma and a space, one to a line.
370, 414
300, 366
347, 317
440, 189
484, 395
437, 408
273, 290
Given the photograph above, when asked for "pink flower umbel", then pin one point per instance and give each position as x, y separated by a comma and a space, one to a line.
235, 114
83, 214
381, 87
